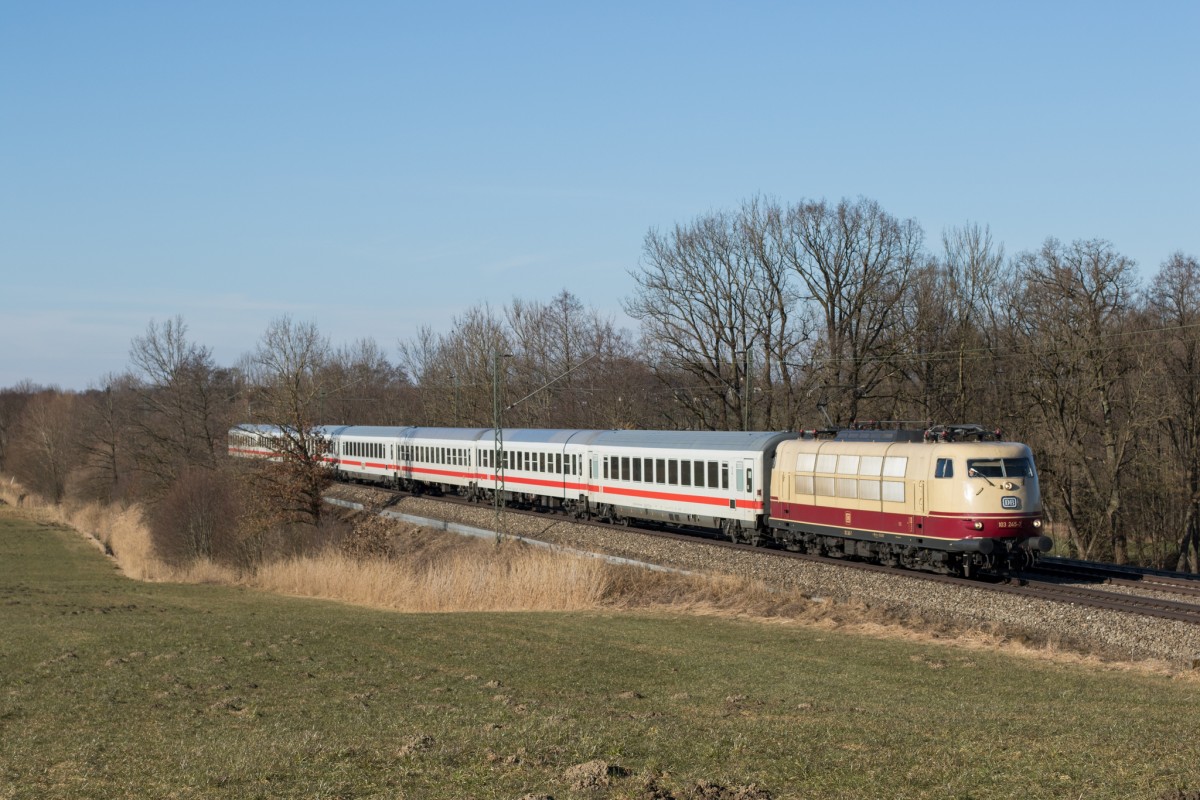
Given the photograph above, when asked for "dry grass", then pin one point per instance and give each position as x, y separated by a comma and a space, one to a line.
509, 579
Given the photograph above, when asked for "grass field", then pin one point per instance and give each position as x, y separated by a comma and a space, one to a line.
116, 688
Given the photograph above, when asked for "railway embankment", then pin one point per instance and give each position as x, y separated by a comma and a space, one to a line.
890, 597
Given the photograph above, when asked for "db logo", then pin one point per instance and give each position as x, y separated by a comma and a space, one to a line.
1010, 502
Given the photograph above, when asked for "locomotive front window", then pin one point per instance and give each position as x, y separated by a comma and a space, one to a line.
1019, 468
1001, 468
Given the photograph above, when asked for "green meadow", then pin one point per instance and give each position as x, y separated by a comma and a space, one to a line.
115, 688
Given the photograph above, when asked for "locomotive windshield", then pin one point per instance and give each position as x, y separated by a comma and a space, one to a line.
1000, 468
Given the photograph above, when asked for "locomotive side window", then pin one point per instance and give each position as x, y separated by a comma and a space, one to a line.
868, 490
945, 468
894, 466
893, 491
806, 462
823, 486
826, 463
847, 465
872, 466
847, 487
804, 484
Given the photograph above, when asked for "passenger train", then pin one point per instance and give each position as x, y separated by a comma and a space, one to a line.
945, 500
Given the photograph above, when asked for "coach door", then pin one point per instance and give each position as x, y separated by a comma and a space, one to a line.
744, 483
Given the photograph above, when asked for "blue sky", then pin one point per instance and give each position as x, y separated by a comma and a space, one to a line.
376, 167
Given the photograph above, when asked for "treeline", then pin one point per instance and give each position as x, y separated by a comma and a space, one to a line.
769, 316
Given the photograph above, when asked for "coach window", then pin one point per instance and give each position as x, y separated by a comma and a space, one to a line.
648, 469
672, 472
945, 468
685, 473
698, 472
637, 470
712, 474
624, 468
660, 470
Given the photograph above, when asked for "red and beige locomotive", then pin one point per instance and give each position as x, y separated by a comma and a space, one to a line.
946, 500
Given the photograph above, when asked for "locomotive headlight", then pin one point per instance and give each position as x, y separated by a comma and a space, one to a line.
1037, 523
978, 526
1008, 486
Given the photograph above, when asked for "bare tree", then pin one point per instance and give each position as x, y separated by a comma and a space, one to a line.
366, 388
12, 404
855, 263
1075, 312
699, 301
1174, 300
107, 439
182, 402
291, 383
45, 447
453, 371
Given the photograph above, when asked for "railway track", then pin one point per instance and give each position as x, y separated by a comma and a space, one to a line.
1118, 575
1059, 580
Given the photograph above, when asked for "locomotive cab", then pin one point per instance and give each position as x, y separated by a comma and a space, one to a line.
987, 495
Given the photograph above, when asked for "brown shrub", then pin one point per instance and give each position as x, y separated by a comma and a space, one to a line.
198, 518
